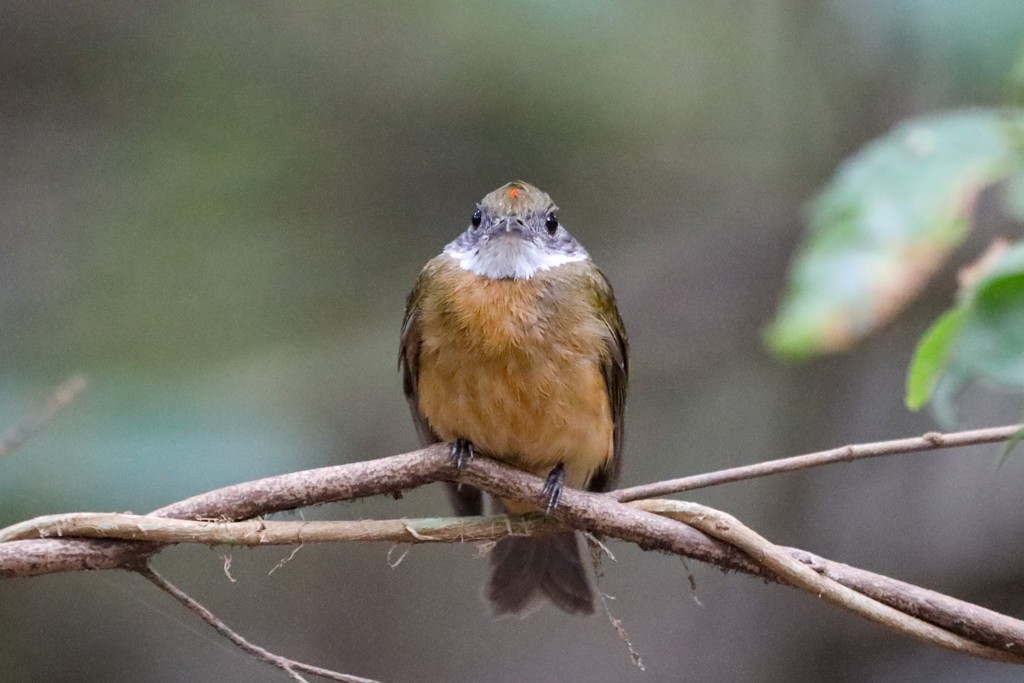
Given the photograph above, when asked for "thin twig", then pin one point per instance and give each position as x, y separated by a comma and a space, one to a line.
30, 424
289, 666
927, 442
597, 551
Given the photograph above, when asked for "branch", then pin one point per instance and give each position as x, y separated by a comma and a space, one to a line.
393, 474
602, 514
289, 666
727, 528
792, 566
928, 442
592, 512
260, 532
240, 501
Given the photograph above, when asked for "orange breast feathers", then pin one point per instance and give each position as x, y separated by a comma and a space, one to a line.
515, 367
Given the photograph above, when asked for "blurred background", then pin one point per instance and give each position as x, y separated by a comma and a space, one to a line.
215, 211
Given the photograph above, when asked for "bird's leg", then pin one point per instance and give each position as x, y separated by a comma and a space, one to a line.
460, 453
553, 486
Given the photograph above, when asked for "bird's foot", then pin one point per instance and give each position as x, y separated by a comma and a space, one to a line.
553, 486
460, 453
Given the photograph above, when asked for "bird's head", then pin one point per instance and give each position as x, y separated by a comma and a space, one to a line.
514, 233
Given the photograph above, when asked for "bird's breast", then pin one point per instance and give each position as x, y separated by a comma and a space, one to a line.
515, 367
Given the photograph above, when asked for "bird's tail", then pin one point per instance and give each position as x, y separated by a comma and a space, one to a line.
527, 569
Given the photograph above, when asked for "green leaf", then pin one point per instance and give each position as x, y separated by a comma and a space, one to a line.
990, 344
884, 224
979, 340
931, 357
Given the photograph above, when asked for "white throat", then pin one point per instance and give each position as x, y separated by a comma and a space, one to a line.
516, 259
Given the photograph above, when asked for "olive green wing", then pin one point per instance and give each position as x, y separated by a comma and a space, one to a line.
465, 500
409, 361
615, 369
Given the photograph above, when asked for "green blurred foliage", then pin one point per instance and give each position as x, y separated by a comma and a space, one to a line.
886, 222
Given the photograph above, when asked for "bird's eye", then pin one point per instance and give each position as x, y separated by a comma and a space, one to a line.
477, 217
551, 223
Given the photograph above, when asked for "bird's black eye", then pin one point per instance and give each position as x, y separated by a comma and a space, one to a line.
477, 217
551, 223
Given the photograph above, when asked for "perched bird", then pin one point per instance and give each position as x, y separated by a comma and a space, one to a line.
512, 347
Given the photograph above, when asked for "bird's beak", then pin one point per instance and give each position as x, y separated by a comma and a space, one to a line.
513, 226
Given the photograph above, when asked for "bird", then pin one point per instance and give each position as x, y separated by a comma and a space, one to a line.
512, 347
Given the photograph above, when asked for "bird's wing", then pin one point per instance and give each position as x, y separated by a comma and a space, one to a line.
409, 360
615, 369
466, 500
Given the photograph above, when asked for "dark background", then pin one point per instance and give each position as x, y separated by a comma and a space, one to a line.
215, 210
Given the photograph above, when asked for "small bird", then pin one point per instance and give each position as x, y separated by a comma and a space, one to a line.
512, 347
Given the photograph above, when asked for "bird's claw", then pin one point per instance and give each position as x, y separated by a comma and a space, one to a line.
553, 486
460, 453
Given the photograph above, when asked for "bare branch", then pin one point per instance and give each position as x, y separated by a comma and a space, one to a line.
927, 442
396, 473
289, 666
729, 529
259, 532
598, 513
240, 501
601, 514
29, 425
970, 621
957, 616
